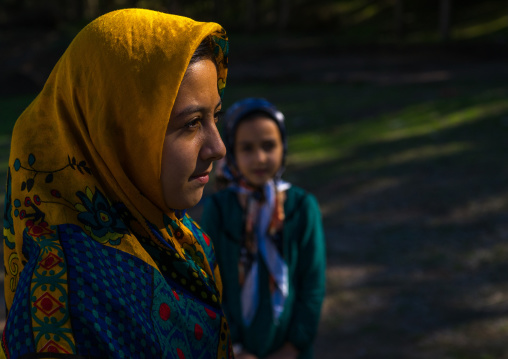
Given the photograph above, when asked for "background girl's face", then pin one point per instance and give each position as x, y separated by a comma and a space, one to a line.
258, 149
192, 140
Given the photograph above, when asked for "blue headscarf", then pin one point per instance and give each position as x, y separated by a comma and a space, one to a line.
241, 110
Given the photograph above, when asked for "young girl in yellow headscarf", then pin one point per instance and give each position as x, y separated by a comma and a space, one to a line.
101, 259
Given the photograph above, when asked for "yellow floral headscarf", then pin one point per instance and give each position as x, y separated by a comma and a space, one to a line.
96, 264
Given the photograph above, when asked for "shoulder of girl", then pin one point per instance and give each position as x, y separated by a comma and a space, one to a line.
298, 194
299, 200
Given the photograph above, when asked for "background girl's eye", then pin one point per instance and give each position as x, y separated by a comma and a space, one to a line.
246, 148
268, 146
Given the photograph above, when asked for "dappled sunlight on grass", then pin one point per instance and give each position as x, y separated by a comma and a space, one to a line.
482, 339
339, 306
353, 12
488, 295
483, 20
335, 204
474, 260
412, 155
477, 207
478, 30
424, 125
366, 13
342, 141
426, 152
313, 148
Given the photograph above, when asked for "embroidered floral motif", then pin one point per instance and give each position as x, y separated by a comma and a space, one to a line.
13, 270
34, 216
49, 294
172, 228
29, 183
192, 253
221, 51
101, 219
38, 230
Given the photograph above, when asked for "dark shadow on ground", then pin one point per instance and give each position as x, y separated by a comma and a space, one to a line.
434, 237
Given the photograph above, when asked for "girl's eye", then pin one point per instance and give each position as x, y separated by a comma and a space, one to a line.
268, 146
193, 123
246, 148
218, 116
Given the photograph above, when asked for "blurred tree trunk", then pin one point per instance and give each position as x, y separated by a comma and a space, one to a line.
444, 19
399, 20
284, 14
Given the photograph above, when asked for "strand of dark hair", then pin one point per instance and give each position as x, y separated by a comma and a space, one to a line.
205, 51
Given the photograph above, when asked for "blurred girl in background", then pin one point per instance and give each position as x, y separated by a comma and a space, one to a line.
268, 239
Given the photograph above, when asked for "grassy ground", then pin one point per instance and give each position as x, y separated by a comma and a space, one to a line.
406, 155
407, 158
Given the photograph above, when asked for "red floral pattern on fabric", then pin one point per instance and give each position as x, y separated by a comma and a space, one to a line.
164, 311
207, 239
211, 313
198, 331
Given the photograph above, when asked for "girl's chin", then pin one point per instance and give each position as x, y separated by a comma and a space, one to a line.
186, 201
257, 182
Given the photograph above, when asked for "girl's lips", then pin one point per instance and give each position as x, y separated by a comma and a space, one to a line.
259, 172
201, 178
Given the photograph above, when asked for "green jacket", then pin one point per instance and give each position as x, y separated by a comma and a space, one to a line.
304, 253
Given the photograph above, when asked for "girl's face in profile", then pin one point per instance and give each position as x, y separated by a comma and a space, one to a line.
192, 140
258, 149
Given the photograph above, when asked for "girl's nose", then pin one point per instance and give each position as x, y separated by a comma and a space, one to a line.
214, 148
260, 155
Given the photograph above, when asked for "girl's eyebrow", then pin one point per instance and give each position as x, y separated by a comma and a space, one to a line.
270, 140
195, 108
